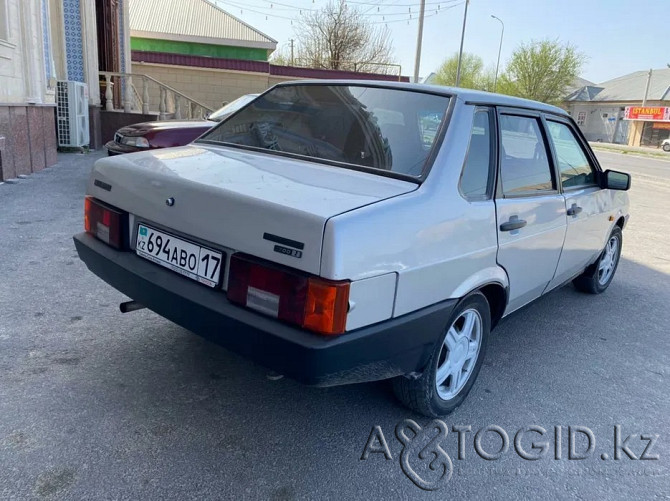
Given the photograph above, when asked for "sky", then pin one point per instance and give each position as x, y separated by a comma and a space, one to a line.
616, 36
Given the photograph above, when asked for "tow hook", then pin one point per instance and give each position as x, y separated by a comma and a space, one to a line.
129, 306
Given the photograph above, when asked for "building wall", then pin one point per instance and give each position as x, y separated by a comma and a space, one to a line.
198, 49
602, 121
211, 87
27, 80
597, 127
214, 86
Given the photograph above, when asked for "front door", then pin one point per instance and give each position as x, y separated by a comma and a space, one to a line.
585, 202
530, 210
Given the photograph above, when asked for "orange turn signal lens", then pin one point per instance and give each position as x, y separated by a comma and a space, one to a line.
326, 306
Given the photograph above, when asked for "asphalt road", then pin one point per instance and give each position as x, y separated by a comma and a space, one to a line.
99, 405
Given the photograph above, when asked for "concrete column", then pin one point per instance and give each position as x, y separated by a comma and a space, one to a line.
635, 133
58, 38
31, 49
125, 43
89, 34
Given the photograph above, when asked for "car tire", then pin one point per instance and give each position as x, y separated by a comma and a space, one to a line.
597, 277
423, 394
666, 147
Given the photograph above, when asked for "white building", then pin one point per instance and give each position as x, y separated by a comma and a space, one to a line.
42, 42
613, 111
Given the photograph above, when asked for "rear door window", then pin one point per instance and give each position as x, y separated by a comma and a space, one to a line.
524, 163
476, 178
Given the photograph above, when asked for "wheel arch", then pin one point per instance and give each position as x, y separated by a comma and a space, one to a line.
496, 295
494, 284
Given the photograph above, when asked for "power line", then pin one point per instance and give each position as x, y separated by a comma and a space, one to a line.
406, 16
415, 4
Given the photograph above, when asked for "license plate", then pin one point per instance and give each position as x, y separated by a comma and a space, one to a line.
191, 260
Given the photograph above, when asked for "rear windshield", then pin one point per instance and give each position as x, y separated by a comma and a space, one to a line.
378, 129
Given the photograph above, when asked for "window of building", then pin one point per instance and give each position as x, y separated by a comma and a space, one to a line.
4, 26
573, 165
524, 165
476, 178
581, 118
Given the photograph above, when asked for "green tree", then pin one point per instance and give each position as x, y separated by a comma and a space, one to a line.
281, 57
473, 73
541, 70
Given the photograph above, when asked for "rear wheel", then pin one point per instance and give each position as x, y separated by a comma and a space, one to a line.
454, 364
597, 277
666, 147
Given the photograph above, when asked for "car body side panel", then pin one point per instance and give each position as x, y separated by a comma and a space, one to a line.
451, 253
371, 300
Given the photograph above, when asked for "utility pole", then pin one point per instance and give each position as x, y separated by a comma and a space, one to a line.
646, 89
417, 59
495, 80
292, 60
460, 52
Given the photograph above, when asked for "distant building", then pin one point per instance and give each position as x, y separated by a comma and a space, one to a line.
612, 111
195, 28
430, 79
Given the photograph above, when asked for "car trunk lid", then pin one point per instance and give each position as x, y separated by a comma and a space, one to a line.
265, 205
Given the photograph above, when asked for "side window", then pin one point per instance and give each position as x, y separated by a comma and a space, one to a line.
475, 178
581, 118
4, 26
524, 164
573, 165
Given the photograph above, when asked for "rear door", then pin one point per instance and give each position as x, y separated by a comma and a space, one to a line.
584, 203
530, 208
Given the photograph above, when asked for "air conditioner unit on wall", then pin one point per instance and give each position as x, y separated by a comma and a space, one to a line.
72, 114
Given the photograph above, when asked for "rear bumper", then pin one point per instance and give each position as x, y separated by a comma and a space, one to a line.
391, 348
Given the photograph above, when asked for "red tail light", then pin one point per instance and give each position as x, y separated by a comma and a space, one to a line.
103, 222
311, 302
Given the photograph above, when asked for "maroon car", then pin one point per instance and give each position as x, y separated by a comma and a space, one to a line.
167, 133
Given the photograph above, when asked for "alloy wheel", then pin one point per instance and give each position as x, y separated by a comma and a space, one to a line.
458, 354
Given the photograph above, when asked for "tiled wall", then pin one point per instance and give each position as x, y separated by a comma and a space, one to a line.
74, 47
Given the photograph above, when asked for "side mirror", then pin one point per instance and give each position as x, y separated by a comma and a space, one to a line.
615, 180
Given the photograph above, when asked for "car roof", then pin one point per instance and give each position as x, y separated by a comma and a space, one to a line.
467, 95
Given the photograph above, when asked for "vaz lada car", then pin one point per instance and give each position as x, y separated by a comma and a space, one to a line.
345, 231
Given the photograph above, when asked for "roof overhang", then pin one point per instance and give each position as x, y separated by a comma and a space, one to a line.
206, 40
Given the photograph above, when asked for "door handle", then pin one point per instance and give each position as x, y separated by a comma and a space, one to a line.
574, 210
514, 223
